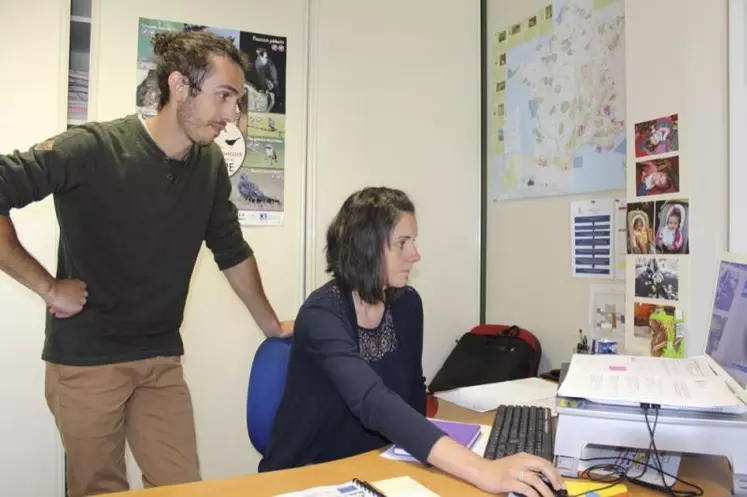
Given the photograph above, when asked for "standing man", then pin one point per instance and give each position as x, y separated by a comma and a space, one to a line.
135, 200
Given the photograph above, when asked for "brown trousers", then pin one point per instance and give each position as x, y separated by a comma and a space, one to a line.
145, 402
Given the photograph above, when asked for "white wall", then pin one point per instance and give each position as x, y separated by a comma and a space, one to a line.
528, 274
31, 458
395, 94
668, 69
220, 337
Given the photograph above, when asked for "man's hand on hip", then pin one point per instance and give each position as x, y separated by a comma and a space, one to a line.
66, 298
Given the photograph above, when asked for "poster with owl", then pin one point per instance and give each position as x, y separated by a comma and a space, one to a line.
253, 144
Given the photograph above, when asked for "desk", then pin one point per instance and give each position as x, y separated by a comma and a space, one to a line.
711, 474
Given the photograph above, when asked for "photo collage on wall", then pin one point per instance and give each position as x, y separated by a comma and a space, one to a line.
253, 145
658, 236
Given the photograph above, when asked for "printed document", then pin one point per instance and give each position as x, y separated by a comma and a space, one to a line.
484, 398
631, 380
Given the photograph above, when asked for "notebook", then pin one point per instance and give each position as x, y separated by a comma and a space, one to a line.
401, 486
465, 434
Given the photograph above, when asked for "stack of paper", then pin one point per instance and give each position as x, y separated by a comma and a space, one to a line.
633, 380
484, 398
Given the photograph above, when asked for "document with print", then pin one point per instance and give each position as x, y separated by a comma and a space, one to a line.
592, 236
630, 380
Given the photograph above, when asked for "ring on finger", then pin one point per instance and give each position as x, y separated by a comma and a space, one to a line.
521, 476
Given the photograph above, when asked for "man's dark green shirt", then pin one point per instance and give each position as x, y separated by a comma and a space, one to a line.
132, 222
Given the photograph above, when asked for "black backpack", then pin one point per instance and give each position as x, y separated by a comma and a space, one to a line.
489, 354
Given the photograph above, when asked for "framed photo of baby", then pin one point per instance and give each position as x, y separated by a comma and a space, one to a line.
657, 176
672, 227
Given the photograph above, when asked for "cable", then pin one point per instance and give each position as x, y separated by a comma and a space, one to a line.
619, 473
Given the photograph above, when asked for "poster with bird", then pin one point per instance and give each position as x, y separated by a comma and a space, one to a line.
253, 144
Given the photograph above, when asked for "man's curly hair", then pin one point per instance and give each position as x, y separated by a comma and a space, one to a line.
189, 53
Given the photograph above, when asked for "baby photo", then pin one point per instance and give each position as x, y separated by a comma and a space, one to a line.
672, 233
658, 136
640, 227
655, 177
657, 278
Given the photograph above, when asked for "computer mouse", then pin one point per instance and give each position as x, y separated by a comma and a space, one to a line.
556, 493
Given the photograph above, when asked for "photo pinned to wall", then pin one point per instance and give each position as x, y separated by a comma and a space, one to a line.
657, 136
672, 227
657, 278
666, 337
657, 176
253, 145
640, 225
657, 324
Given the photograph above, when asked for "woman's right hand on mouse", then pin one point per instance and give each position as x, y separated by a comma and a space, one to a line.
519, 473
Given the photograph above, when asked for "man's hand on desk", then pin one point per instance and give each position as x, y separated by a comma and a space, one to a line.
522, 474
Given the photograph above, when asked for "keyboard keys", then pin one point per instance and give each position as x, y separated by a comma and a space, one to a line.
520, 429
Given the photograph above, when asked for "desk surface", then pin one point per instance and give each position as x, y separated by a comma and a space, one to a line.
711, 474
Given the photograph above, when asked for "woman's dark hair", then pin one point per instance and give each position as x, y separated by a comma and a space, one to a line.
189, 52
356, 239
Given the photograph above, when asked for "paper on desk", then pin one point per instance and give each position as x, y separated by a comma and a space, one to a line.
618, 379
401, 486
344, 490
483, 398
478, 448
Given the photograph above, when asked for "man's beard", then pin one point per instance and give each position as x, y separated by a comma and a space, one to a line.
187, 118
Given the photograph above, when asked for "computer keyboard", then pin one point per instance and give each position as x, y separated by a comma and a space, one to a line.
520, 429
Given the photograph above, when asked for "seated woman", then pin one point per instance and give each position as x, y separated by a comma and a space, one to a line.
355, 381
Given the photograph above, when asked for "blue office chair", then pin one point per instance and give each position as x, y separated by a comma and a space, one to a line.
266, 384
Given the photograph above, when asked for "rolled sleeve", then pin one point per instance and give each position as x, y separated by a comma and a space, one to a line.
325, 335
223, 235
56, 165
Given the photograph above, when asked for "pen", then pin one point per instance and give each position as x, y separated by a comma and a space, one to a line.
367, 488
